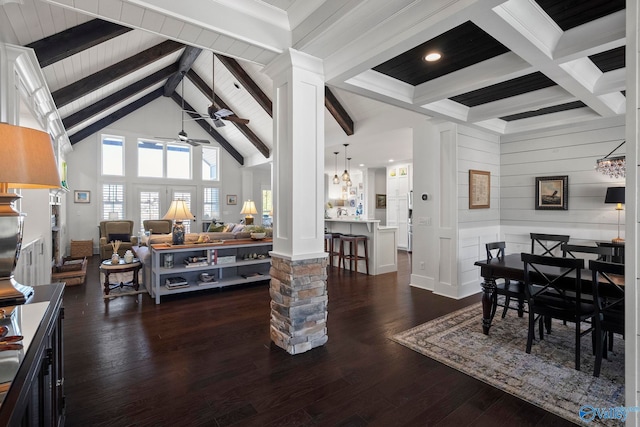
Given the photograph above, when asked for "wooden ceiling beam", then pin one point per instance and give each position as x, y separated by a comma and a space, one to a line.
121, 95
187, 59
74, 40
82, 87
219, 103
115, 116
207, 128
245, 80
337, 111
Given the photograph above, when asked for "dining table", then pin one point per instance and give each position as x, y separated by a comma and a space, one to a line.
511, 267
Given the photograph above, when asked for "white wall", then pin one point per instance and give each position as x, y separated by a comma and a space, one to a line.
158, 118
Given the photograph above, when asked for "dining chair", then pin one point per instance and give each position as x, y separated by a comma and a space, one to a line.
549, 244
609, 298
581, 251
553, 287
507, 288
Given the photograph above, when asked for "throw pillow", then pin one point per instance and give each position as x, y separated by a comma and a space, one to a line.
216, 228
238, 228
123, 237
229, 227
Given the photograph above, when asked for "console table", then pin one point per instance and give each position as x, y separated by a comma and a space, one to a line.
35, 375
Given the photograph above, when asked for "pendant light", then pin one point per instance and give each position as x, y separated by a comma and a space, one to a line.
349, 183
345, 174
336, 179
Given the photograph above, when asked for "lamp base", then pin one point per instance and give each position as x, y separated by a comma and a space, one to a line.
178, 233
617, 241
11, 224
248, 220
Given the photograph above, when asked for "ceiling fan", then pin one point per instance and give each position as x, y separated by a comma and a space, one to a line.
182, 135
215, 114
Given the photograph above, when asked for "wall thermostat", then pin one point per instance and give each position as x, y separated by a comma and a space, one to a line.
424, 196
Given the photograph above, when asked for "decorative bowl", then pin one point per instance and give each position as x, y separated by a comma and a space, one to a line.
206, 277
258, 236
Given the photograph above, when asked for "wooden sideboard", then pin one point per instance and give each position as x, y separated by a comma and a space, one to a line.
35, 395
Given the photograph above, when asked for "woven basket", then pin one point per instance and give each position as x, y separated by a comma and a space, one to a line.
81, 248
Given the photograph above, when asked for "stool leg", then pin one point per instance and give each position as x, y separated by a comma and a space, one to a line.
355, 254
331, 249
366, 254
341, 255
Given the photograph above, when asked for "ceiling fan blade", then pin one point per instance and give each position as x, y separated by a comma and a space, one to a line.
165, 137
200, 141
218, 123
192, 142
236, 119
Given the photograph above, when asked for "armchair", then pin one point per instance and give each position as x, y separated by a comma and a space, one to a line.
158, 226
116, 230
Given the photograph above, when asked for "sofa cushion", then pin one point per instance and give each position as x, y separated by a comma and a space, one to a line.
123, 237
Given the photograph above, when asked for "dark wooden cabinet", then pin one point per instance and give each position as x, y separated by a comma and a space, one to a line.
36, 394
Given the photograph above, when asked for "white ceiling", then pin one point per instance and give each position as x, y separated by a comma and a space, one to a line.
351, 38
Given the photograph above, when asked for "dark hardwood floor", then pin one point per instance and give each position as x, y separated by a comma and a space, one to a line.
205, 359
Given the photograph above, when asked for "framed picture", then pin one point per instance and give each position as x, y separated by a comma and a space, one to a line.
81, 196
402, 171
479, 189
552, 193
381, 201
232, 199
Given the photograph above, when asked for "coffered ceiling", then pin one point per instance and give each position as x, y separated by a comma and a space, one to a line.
506, 67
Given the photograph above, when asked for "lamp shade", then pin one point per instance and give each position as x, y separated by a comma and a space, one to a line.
28, 160
249, 208
178, 211
614, 195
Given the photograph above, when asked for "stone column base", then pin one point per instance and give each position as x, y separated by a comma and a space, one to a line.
298, 303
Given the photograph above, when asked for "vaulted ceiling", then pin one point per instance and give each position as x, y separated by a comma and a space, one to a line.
506, 67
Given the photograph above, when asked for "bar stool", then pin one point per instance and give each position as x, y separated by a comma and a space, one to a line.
330, 246
353, 241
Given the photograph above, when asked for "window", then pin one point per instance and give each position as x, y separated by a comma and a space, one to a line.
112, 201
160, 160
150, 159
210, 164
149, 205
267, 208
211, 199
112, 155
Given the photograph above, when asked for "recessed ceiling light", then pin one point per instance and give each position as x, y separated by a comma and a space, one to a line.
390, 160
433, 56
361, 164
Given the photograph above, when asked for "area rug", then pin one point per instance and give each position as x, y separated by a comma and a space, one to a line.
545, 378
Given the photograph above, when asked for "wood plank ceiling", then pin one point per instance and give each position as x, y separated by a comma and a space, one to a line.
506, 67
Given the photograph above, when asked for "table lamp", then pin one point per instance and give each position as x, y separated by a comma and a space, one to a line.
178, 212
28, 162
616, 195
248, 209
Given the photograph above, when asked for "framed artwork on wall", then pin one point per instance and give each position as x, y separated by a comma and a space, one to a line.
479, 189
81, 196
232, 199
381, 201
552, 193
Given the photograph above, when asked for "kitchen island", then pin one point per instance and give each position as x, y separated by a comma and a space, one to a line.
382, 242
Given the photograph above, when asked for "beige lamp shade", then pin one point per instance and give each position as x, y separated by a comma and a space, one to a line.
249, 208
28, 160
178, 211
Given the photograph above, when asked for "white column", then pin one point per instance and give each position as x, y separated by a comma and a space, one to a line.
298, 159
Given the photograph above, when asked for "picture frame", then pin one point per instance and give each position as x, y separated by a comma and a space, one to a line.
232, 199
552, 193
479, 189
82, 196
381, 201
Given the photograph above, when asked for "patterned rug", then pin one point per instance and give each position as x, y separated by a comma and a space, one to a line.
545, 378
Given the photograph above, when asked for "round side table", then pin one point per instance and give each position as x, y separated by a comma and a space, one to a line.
107, 268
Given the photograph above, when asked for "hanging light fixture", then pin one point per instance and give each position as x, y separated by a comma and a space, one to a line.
336, 179
349, 183
345, 174
613, 167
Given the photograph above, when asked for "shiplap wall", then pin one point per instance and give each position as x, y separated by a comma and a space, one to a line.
572, 152
480, 151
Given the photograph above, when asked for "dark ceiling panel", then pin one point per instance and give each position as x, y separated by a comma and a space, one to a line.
460, 47
503, 90
543, 111
573, 13
610, 60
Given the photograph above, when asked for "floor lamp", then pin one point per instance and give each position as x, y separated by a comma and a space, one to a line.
616, 195
28, 162
178, 212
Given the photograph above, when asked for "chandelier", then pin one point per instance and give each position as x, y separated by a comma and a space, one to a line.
336, 179
613, 167
345, 175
